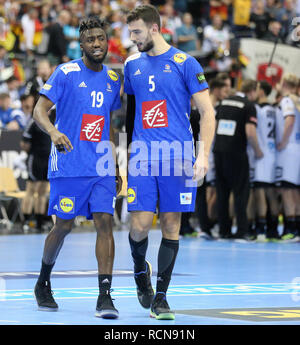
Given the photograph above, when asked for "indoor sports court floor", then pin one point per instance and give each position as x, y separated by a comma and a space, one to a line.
214, 282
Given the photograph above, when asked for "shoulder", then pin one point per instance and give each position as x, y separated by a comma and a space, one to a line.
68, 67
133, 57
111, 74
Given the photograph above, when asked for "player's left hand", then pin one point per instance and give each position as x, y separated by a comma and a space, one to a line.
200, 168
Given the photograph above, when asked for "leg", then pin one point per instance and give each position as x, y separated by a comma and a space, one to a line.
141, 222
170, 223
274, 210
289, 207
223, 192
53, 244
40, 203
261, 207
105, 253
27, 202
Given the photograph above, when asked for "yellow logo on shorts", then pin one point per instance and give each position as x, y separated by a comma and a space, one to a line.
66, 205
180, 57
131, 195
113, 75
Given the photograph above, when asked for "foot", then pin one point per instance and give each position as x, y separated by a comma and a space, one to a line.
105, 307
144, 288
44, 297
160, 309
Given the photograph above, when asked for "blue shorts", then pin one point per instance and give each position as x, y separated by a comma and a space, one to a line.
74, 196
168, 184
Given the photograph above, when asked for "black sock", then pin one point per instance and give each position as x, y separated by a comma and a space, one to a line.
260, 225
138, 252
45, 273
166, 259
291, 224
39, 220
298, 224
104, 281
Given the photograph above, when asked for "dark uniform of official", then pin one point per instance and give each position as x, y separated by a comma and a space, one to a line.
231, 161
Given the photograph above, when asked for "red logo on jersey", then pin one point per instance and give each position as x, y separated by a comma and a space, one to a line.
155, 114
91, 127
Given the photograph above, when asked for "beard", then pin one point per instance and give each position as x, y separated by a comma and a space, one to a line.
94, 59
148, 45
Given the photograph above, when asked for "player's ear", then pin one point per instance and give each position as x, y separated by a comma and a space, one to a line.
155, 28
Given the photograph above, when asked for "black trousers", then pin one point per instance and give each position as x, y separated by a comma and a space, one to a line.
232, 175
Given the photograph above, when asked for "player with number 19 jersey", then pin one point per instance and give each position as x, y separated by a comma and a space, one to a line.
163, 86
83, 106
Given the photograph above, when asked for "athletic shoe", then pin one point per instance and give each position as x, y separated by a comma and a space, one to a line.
144, 288
261, 238
160, 309
289, 237
44, 297
105, 307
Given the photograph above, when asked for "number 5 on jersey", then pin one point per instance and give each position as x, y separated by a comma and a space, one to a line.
151, 83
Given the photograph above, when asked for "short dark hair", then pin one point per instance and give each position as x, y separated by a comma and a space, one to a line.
91, 23
148, 13
266, 87
249, 85
216, 83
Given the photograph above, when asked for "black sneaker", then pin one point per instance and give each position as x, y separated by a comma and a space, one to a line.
160, 309
44, 297
144, 288
105, 307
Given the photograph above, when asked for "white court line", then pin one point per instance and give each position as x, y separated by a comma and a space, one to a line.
12, 321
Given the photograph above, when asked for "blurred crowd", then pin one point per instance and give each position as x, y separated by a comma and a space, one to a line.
36, 36
31, 31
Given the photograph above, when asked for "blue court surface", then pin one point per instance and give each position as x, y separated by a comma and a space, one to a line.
214, 282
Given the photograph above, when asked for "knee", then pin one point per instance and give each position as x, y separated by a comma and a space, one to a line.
103, 224
63, 228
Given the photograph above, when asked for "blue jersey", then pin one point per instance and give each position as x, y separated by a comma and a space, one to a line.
163, 86
84, 100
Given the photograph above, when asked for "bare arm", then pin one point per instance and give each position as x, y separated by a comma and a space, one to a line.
288, 128
113, 144
207, 131
252, 139
40, 116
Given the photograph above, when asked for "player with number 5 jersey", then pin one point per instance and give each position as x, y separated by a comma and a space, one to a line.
160, 81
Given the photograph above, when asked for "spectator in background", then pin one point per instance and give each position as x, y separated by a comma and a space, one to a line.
57, 48
219, 7
11, 86
273, 7
37, 144
285, 16
31, 26
216, 43
260, 19
5, 64
274, 32
34, 85
167, 34
71, 32
116, 51
187, 37
23, 115
173, 21
6, 119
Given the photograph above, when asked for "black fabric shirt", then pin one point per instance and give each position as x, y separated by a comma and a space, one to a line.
232, 115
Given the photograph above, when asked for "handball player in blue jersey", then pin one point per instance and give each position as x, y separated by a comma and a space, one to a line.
85, 92
160, 81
